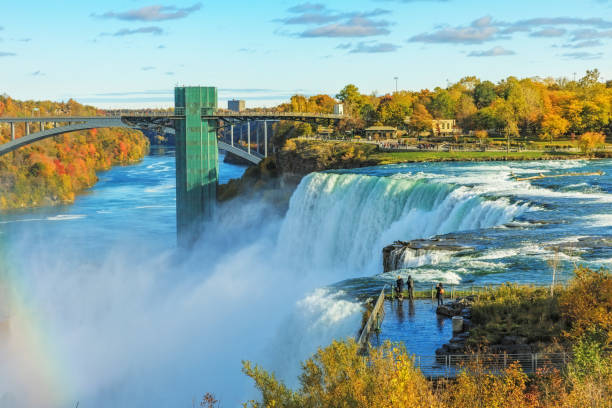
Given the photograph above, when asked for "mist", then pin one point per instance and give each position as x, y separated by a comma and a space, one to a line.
133, 321
134, 325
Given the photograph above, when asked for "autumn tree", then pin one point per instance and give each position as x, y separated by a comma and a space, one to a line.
591, 141
421, 119
553, 126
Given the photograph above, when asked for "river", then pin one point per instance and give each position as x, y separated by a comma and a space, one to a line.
105, 311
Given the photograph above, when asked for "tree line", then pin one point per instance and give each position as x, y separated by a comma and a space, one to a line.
544, 108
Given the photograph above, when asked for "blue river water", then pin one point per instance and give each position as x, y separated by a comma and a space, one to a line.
121, 316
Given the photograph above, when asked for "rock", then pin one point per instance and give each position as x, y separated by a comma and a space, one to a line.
509, 340
510, 349
457, 339
463, 336
446, 310
467, 325
394, 254
455, 347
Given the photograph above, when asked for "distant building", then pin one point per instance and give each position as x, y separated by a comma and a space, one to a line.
380, 132
445, 127
338, 109
236, 105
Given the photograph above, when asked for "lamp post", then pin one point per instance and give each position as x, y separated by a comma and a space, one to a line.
396, 78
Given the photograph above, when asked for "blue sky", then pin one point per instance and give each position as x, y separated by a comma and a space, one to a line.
133, 52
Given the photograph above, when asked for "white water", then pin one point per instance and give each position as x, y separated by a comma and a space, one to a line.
150, 328
341, 222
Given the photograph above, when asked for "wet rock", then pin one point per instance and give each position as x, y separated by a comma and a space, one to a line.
459, 307
467, 325
457, 339
395, 254
511, 349
509, 340
463, 336
455, 347
583, 243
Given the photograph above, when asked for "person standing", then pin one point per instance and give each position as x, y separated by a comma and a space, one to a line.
440, 294
399, 286
410, 287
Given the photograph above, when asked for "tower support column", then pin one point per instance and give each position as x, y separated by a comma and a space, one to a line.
197, 162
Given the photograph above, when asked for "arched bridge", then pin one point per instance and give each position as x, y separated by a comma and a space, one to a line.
196, 121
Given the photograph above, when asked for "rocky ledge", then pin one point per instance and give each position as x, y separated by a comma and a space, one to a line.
395, 254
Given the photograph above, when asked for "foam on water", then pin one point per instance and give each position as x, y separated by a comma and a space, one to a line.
340, 222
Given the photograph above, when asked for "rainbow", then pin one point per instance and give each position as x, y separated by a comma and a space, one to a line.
32, 372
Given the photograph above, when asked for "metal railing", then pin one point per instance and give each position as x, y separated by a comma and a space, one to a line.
273, 114
449, 366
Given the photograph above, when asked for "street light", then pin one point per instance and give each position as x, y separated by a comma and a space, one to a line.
396, 78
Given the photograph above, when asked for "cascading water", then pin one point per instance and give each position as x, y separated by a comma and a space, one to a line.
107, 313
341, 222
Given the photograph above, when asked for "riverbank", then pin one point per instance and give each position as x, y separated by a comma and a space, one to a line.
52, 172
576, 319
299, 157
428, 156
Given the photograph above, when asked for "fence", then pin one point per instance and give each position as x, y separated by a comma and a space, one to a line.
374, 320
449, 366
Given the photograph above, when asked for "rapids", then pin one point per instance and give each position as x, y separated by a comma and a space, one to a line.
106, 311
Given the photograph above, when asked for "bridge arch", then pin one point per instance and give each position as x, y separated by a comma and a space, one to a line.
56, 131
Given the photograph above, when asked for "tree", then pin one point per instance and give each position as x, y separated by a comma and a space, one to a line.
421, 119
369, 115
465, 112
321, 104
482, 136
352, 99
393, 114
591, 140
442, 106
484, 94
506, 121
553, 126
590, 78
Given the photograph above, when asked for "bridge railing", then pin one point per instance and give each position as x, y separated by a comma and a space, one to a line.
179, 111
273, 114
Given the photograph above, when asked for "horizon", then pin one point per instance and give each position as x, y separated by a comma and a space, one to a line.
132, 55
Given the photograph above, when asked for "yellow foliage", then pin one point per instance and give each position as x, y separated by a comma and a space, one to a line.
591, 140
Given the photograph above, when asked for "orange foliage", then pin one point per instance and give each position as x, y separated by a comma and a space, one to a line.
51, 171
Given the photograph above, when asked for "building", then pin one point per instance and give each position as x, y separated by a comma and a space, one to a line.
338, 109
380, 132
444, 127
236, 105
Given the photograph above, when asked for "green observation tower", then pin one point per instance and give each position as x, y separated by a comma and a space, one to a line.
197, 161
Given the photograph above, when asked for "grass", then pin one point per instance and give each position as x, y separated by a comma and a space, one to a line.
427, 156
513, 310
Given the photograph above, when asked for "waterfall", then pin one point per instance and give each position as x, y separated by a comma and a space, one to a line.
340, 222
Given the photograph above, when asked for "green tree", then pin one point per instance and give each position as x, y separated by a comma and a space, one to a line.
442, 105
484, 94
352, 99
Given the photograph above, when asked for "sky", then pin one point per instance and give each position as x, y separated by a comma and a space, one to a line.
131, 53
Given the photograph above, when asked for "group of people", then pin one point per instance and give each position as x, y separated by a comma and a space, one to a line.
399, 289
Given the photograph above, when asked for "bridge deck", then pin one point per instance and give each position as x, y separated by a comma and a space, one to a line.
177, 114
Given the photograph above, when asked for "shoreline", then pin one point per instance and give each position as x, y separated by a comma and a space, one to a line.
430, 157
